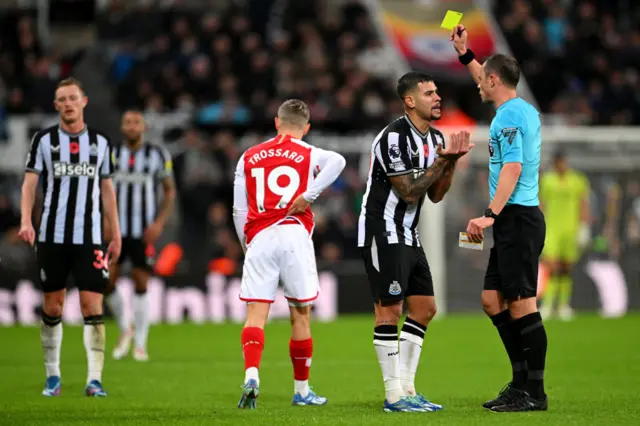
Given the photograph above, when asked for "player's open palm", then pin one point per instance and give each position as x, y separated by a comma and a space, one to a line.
27, 233
459, 37
465, 143
459, 144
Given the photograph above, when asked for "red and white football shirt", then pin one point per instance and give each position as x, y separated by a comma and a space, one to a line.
271, 175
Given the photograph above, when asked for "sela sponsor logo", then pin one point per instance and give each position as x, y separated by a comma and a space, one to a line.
130, 177
61, 169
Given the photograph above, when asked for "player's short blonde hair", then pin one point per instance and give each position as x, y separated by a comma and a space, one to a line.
70, 81
294, 113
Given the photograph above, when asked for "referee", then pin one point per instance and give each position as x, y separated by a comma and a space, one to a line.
510, 284
75, 164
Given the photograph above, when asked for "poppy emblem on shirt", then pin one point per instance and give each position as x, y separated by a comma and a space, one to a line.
74, 147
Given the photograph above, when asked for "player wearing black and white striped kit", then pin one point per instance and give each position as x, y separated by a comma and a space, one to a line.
139, 167
409, 161
75, 164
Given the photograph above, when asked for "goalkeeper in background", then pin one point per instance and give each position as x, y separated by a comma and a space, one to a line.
564, 199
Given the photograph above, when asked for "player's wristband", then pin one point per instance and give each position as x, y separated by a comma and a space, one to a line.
467, 57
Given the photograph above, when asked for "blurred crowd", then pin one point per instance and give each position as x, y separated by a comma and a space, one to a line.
234, 64
581, 58
29, 71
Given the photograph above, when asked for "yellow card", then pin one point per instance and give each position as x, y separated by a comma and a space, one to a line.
451, 19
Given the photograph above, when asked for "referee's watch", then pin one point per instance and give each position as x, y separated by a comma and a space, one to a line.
490, 213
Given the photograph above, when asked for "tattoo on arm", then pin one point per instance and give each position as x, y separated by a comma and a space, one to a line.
411, 189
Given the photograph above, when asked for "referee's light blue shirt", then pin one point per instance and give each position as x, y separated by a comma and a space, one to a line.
515, 138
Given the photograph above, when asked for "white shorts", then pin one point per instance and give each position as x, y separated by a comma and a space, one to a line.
281, 253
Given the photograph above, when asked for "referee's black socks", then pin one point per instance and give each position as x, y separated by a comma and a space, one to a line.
511, 339
534, 345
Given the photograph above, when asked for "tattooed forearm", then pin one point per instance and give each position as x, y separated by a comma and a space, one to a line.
440, 188
412, 188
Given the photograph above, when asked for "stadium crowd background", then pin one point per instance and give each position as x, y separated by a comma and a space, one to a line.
228, 64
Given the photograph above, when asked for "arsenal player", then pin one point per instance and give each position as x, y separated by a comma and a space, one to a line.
275, 183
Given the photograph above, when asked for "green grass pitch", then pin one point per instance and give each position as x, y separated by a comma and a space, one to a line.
195, 373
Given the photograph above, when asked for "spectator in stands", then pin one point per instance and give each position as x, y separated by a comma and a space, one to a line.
593, 50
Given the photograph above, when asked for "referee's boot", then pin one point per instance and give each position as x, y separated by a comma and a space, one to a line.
523, 403
507, 395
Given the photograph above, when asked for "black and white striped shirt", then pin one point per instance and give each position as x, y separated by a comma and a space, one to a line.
71, 167
137, 175
400, 148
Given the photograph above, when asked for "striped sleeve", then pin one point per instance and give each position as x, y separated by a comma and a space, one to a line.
165, 164
393, 153
35, 160
108, 163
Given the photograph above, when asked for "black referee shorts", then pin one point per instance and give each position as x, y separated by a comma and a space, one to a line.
135, 249
396, 271
518, 234
86, 263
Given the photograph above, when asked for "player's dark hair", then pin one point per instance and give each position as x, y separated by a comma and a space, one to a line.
410, 81
504, 66
559, 155
70, 81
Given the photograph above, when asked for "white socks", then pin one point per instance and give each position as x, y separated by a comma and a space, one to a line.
140, 319
51, 338
251, 373
385, 341
94, 342
140, 316
116, 305
411, 338
301, 387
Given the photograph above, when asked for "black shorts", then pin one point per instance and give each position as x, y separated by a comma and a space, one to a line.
518, 235
396, 271
85, 263
135, 249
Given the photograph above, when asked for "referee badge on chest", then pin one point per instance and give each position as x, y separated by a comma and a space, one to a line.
395, 289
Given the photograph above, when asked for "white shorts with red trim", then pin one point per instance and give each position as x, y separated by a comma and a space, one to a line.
282, 253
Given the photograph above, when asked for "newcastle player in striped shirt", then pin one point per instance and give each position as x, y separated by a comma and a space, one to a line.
75, 164
139, 167
409, 160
